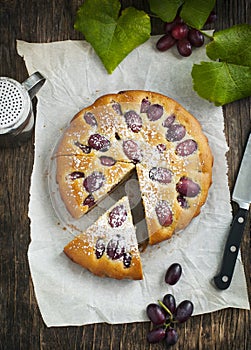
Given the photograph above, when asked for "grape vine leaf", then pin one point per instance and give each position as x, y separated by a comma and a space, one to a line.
166, 10
229, 79
232, 45
112, 36
195, 12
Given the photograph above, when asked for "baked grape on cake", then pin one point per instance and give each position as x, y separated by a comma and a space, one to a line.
140, 130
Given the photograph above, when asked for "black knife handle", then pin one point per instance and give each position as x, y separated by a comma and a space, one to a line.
224, 278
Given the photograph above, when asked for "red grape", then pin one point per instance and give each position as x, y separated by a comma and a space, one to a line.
171, 336
162, 175
156, 335
186, 187
164, 213
117, 216
156, 314
169, 302
169, 25
180, 31
175, 132
165, 42
195, 37
99, 142
183, 311
211, 18
184, 47
173, 274
186, 148
94, 181
133, 121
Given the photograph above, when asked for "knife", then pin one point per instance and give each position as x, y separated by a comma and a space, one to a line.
242, 196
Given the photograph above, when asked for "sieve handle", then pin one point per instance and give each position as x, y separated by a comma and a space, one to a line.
34, 83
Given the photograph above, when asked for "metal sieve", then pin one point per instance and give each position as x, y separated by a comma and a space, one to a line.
16, 114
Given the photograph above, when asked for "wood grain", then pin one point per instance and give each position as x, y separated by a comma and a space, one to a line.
21, 325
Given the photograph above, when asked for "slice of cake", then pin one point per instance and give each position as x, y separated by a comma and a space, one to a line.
85, 180
109, 247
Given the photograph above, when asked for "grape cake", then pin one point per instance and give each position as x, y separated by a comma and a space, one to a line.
140, 131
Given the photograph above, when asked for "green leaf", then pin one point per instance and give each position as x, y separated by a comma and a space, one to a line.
221, 82
195, 12
232, 45
112, 36
166, 10
229, 80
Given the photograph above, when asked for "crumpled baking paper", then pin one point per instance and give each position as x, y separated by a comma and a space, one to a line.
68, 294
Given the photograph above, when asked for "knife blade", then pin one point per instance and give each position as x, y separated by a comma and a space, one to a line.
242, 196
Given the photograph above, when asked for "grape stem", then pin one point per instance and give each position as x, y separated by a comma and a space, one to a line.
165, 308
172, 321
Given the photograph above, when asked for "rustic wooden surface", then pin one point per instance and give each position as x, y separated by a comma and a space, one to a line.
21, 326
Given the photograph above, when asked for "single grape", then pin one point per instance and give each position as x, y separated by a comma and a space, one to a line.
173, 274
180, 31
182, 202
117, 108
165, 42
145, 103
169, 302
168, 26
133, 121
171, 336
90, 119
99, 142
184, 47
186, 148
175, 132
161, 175
164, 213
94, 181
107, 161
168, 121
155, 112
211, 18
156, 314
186, 187
117, 216
183, 311
156, 335
195, 37
132, 151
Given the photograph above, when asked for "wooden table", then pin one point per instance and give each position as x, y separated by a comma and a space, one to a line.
21, 325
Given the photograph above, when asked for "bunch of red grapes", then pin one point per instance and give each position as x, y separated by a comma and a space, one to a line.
165, 315
184, 37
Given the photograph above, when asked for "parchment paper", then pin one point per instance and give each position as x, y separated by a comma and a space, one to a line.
68, 294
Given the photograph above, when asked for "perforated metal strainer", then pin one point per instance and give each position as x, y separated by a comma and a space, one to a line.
16, 114
14, 104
